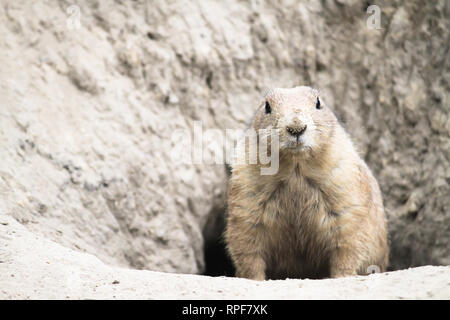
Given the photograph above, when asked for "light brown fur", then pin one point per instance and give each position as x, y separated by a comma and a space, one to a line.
321, 215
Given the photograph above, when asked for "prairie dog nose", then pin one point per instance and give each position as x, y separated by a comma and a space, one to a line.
296, 129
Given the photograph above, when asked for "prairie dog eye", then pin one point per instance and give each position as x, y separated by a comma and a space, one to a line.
318, 106
268, 108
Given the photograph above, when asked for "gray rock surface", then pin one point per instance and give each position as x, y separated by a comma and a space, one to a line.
86, 115
62, 273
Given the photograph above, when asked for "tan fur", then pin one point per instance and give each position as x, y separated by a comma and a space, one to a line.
321, 215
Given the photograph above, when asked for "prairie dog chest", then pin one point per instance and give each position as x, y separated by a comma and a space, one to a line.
295, 202
297, 225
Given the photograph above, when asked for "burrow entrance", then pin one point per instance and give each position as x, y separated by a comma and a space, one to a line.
217, 260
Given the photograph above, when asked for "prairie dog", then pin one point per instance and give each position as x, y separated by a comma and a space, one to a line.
321, 215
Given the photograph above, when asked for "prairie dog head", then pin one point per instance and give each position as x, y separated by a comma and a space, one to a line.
303, 122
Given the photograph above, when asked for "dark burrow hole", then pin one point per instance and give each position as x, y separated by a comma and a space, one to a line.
217, 260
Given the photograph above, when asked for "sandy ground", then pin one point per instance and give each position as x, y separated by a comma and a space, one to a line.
32, 267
